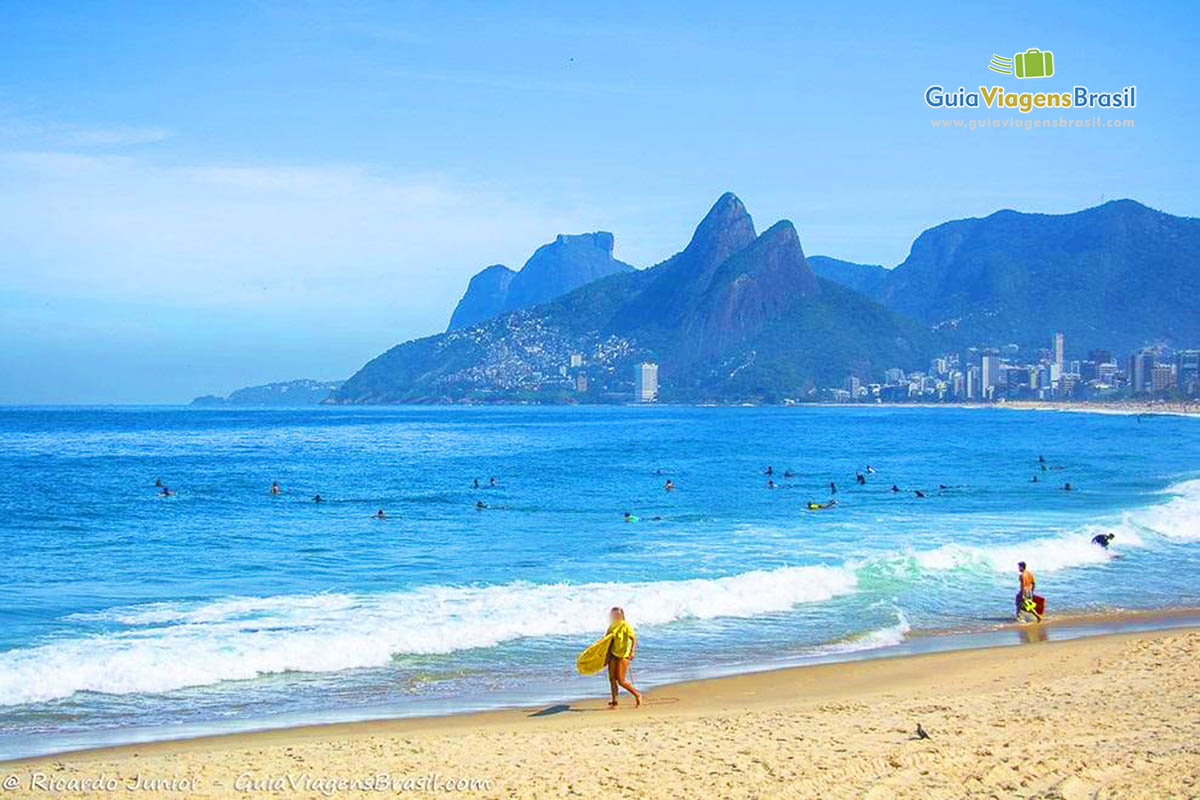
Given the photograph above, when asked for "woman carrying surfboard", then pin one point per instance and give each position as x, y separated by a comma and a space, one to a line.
615, 651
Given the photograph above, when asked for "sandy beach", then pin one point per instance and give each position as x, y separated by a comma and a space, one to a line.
1107, 716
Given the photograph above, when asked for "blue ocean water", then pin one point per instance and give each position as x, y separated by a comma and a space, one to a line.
127, 615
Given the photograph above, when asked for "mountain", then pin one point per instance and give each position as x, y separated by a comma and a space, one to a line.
733, 316
487, 293
553, 270
1116, 276
303, 392
866, 279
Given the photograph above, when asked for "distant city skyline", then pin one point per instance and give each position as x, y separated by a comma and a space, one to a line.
199, 198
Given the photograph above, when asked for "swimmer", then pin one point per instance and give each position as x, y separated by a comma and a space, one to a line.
669, 485
630, 517
480, 505
770, 484
832, 487
475, 483
895, 488
165, 492
318, 499
1103, 539
1034, 479
491, 482
1067, 487
919, 493
818, 506
275, 489
788, 474
158, 483
380, 515
769, 471
861, 480
870, 470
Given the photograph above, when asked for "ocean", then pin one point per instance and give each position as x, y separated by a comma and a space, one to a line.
130, 616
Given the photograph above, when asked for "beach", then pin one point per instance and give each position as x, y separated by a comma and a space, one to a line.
1107, 716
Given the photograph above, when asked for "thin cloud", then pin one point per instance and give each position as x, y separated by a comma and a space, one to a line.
85, 136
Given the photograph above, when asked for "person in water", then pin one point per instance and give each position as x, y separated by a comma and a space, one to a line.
1103, 539
787, 473
1025, 599
630, 517
1034, 479
480, 505
158, 483
769, 471
475, 484
1067, 487
165, 491
919, 493
818, 506
318, 499
861, 480
380, 515
275, 489
895, 488
491, 482
770, 484
620, 653
832, 487
669, 485
870, 470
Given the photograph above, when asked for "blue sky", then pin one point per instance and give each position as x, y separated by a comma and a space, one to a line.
197, 197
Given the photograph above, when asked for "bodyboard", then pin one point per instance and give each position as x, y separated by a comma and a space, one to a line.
594, 658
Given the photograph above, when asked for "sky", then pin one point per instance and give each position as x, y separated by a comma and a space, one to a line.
196, 197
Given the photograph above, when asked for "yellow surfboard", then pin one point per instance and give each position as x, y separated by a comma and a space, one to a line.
595, 657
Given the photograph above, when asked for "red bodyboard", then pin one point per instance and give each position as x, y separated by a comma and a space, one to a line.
1039, 603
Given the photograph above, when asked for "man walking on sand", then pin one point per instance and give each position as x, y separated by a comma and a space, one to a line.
1025, 601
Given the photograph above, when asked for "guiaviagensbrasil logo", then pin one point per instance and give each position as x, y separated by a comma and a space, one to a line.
1033, 63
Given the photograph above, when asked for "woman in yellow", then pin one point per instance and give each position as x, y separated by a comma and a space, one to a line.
620, 652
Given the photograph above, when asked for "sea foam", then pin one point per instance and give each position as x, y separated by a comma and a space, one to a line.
166, 646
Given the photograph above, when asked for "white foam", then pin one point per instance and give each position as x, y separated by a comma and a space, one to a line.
1178, 518
1049, 554
871, 640
167, 646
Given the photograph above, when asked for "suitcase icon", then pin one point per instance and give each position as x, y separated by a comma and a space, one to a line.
1034, 63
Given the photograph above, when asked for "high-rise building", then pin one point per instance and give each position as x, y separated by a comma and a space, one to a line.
894, 375
974, 391
1141, 371
576, 360
1058, 351
989, 373
581, 383
1187, 374
645, 382
1162, 377
852, 386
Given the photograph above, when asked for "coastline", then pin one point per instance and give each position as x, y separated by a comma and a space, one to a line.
1118, 408
846, 699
